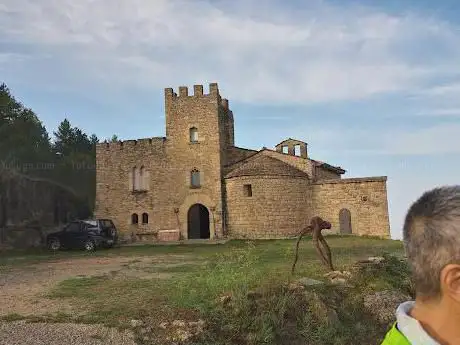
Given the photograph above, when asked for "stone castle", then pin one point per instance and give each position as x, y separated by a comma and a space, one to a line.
195, 183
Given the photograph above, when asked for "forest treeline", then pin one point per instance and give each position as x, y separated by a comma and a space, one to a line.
45, 178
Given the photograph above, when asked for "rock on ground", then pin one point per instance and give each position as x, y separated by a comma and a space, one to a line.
305, 281
23, 333
136, 323
338, 277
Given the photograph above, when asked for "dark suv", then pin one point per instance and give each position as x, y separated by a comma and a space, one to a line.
88, 234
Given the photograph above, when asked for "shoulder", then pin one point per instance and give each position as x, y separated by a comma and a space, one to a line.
395, 337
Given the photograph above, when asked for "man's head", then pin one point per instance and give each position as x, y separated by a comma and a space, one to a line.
432, 243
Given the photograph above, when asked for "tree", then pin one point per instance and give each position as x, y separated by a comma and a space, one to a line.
24, 146
93, 139
77, 160
23, 138
64, 138
69, 140
66, 167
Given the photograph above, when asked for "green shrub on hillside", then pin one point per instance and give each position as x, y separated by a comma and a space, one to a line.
261, 309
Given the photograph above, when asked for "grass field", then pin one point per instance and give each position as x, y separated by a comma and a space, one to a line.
187, 285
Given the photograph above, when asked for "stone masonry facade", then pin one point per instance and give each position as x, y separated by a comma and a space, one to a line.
195, 183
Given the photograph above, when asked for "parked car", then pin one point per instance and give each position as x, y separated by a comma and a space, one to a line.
88, 234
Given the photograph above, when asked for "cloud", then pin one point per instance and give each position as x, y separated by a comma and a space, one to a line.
441, 112
7, 57
271, 118
442, 138
12, 58
439, 100
318, 53
438, 139
442, 90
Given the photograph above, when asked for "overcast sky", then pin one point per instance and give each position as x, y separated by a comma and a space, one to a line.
372, 88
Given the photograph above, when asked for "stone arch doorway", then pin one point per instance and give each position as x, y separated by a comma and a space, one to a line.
345, 221
198, 222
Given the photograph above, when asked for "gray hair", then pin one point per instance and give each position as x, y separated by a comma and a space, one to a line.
432, 237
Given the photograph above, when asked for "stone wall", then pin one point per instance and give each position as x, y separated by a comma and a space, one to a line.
115, 197
226, 126
168, 235
168, 164
236, 154
303, 164
279, 206
365, 198
290, 144
322, 173
202, 111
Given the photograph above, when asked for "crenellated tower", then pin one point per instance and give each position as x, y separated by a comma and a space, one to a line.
199, 129
184, 108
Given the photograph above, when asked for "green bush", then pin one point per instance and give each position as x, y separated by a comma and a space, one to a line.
262, 310
392, 274
316, 317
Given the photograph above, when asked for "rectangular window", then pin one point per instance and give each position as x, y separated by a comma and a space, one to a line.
297, 150
195, 178
247, 190
285, 149
193, 135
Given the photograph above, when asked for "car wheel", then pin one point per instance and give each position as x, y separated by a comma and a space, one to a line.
90, 246
112, 233
54, 244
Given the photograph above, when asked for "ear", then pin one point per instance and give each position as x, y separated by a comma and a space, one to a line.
450, 281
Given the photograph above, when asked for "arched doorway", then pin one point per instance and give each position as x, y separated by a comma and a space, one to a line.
198, 222
345, 221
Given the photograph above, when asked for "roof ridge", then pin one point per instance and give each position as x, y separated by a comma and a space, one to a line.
243, 159
278, 168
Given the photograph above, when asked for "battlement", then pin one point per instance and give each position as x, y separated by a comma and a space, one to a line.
131, 144
197, 91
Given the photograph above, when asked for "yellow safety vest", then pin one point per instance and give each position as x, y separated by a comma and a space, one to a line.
395, 337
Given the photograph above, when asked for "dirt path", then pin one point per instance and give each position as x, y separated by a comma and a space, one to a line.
23, 289
22, 333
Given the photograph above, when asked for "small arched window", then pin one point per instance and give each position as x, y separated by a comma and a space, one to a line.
195, 178
134, 218
145, 218
193, 135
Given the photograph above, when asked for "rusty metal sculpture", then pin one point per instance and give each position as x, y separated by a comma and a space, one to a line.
322, 248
